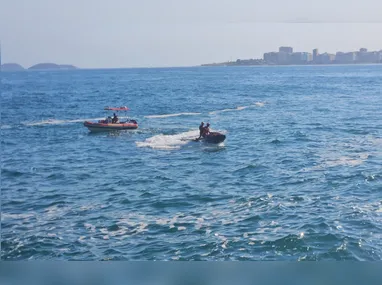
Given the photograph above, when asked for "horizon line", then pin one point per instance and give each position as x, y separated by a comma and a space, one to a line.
192, 66
180, 66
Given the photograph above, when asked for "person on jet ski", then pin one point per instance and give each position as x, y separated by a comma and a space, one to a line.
206, 130
201, 130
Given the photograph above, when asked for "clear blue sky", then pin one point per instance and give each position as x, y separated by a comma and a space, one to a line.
133, 33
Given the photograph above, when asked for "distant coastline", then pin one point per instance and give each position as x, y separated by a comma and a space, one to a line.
286, 56
233, 63
39, 66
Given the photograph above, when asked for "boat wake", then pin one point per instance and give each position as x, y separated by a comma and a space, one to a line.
171, 115
168, 142
229, 110
4, 127
257, 104
62, 122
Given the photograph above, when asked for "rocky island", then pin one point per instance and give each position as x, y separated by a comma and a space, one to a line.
52, 66
40, 66
11, 67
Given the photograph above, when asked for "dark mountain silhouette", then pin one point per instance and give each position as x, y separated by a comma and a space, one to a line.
11, 67
51, 66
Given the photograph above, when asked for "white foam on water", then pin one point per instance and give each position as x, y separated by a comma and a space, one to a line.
142, 228
60, 122
376, 141
90, 227
55, 212
45, 122
168, 142
7, 216
228, 110
4, 127
127, 222
162, 222
123, 231
347, 161
104, 231
81, 238
171, 115
239, 108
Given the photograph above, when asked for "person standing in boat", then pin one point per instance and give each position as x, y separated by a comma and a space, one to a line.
115, 119
201, 130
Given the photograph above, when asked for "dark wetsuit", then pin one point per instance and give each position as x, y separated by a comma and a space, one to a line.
201, 131
206, 131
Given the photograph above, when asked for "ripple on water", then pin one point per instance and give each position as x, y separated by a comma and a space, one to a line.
298, 177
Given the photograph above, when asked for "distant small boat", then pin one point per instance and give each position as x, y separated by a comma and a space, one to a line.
110, 124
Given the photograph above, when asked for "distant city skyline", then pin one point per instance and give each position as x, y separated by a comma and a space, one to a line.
288, 56
150, 33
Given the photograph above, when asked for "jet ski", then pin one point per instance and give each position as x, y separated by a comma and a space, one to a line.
212, 137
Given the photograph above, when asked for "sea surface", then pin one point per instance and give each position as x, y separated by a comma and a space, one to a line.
299, 176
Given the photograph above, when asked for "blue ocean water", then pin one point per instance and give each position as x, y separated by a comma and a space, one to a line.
299, 176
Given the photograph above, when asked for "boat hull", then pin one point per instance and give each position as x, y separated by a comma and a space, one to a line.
104, 127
